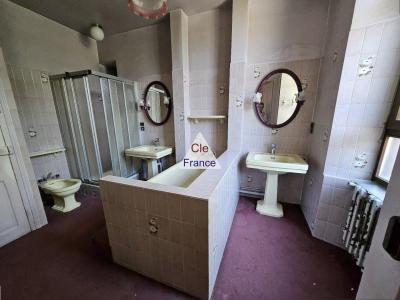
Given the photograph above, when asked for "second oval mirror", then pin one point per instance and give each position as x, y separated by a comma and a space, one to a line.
158, 103
278, 100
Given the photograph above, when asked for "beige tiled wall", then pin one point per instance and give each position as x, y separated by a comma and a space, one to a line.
181, 243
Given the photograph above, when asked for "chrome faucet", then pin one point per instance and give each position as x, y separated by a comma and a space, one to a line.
273, 149
156, 141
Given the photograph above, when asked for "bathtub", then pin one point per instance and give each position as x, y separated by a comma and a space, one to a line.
177, 176
178, 211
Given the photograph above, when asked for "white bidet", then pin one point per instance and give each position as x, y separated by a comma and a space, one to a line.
63, 192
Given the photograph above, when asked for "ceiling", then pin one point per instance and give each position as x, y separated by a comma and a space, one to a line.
113, 15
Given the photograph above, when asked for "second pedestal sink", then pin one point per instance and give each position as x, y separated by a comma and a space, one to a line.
151, 154
274, 165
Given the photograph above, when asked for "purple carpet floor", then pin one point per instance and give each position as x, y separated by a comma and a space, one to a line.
265, 258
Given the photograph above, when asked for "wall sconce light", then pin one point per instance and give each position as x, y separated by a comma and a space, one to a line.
257, 97
300, 97
143, 106
166, 100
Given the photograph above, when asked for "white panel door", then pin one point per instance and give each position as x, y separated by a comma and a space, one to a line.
381, 276
13, 219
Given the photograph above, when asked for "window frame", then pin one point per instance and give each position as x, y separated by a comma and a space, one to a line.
392, 129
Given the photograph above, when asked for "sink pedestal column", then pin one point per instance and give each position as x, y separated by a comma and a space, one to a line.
270, 206
152, 168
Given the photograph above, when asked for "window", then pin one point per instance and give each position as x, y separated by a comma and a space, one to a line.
391, 144
387, 159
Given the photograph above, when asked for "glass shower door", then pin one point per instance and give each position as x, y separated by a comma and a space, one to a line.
84, 133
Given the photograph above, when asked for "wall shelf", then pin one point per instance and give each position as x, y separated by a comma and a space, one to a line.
197, 119
46, 152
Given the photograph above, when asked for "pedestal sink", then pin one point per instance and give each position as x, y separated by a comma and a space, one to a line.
274, 165
150, 154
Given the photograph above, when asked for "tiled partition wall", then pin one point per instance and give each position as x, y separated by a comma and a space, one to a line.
180, 244
193, 226
221, 210
38, 116
363, 102
165, 132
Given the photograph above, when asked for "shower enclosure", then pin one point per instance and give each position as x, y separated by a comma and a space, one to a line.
98, 120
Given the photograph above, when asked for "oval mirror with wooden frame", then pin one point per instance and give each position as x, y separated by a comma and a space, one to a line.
157, 103
279, 97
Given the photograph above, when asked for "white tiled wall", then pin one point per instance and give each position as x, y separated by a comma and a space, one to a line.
144, 55
206, 99
272, 44
360, 112
165, 132
221, 210
339, 22
364, 102
293, 138
35, 211
37, 112
334, 202
209, 57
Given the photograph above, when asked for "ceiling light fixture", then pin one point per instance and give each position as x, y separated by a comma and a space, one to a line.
149, 9
97, 32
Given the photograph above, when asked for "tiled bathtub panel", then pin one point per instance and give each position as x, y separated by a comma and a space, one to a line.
222, 206
181, 243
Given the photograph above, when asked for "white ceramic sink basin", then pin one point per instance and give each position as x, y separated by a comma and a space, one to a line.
149, 152
274, 165
282, 163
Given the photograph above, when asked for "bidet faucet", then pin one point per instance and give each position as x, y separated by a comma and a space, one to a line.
273, 149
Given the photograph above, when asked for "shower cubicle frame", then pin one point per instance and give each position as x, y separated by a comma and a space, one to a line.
119, 111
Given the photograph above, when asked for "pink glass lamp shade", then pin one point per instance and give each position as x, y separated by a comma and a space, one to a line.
149, 9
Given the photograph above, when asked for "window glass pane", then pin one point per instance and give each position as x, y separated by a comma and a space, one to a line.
387, 159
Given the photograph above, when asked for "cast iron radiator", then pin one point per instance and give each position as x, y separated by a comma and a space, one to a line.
360, 224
